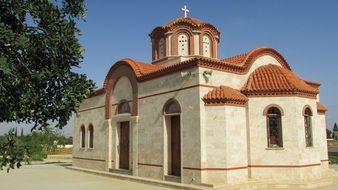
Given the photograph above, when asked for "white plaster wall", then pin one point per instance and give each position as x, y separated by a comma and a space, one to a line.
234, 80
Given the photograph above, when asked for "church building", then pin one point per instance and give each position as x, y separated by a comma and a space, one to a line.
193, 118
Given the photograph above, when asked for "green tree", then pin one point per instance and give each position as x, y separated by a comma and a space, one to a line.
328, 133
12, 153
38, 51
335, 127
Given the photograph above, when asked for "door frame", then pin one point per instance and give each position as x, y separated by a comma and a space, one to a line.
112, 161
166, 164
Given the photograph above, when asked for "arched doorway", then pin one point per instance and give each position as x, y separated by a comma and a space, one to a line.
172, 115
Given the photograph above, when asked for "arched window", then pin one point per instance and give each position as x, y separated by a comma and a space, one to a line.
123, 107
206, 46
82, 137
172, 107
182, 45
161, 48
91, 136
274, 127
308, 127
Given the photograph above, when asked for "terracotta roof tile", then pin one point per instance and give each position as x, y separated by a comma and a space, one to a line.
312, 83
191, 20
194, 22
224, 95
245, 60
321, 108
275, 80
237, 59
237, 64
97, 92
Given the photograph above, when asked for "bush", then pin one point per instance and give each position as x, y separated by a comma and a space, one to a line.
333, 159
40, 143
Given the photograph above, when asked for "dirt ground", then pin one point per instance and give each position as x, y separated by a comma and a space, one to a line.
56, 177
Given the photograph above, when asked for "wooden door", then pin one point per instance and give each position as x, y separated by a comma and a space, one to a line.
124, 145
175, 146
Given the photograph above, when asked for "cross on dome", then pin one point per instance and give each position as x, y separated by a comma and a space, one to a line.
185, 10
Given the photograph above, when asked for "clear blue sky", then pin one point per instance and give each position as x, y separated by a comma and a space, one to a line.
305, 32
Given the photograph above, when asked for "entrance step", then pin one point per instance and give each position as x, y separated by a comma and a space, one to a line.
121, 171
172, 178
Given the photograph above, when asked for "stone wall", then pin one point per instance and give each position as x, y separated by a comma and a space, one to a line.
294, 160
225, 145
93, 112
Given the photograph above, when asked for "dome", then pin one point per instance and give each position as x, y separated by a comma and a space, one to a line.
194, 23
184, 37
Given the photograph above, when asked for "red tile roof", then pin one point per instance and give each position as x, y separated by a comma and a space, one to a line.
239, 64
245, 60
224, 95
190, 20
237, 59
313, 84
274, 80
321, 108
97, 92
194, 22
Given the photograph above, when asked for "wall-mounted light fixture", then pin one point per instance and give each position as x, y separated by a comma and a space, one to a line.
207, 73
185, 74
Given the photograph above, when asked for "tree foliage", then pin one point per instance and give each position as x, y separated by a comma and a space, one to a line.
11, 152
33, 147
38, 51
335, 127
328, 133
41, 143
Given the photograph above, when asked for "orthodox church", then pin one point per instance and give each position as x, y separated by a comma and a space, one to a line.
193, 118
